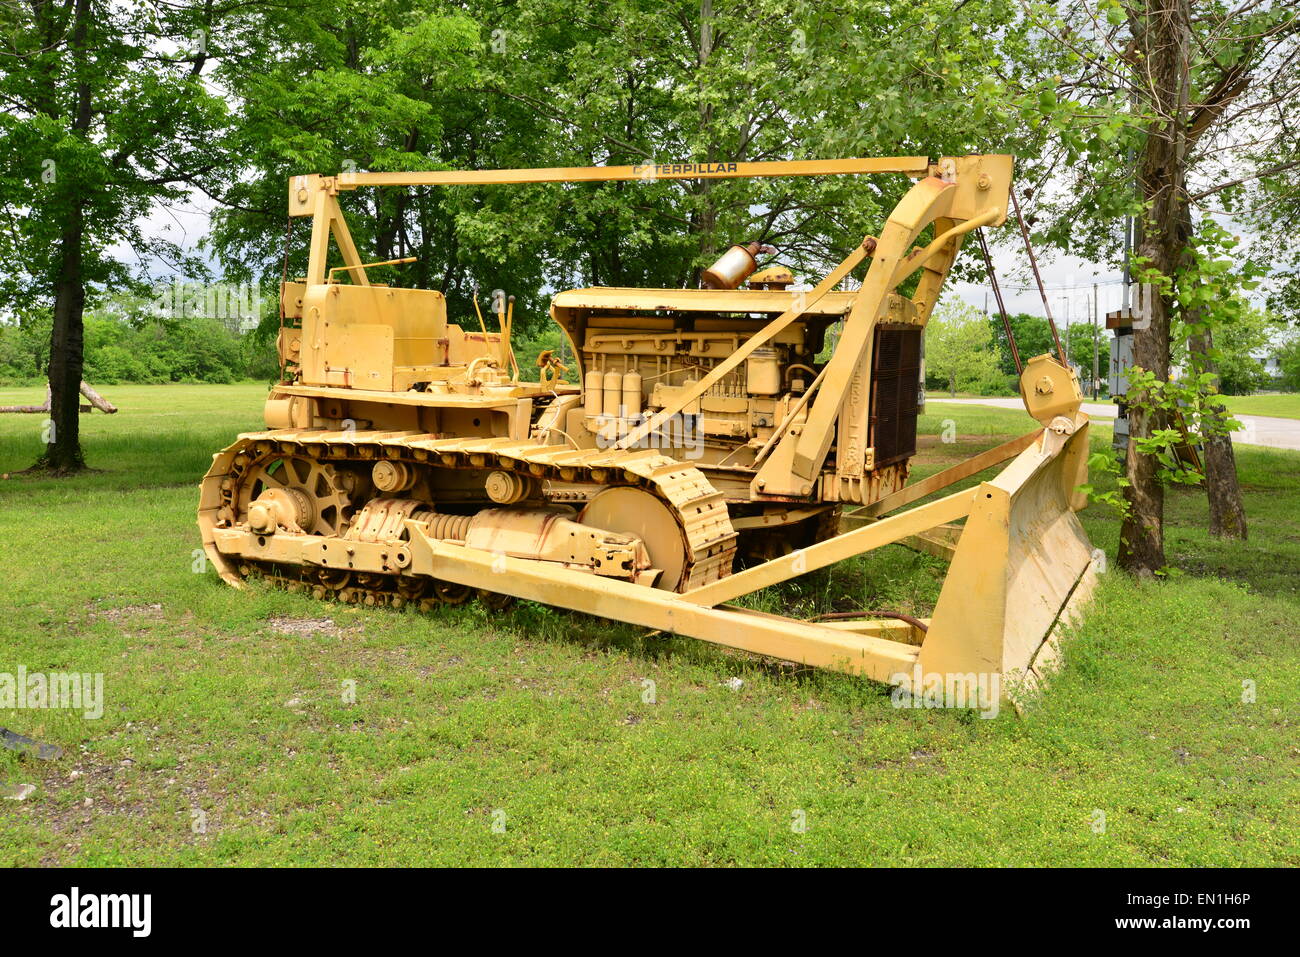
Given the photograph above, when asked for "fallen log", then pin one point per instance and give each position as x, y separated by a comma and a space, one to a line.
97, 401
30, 408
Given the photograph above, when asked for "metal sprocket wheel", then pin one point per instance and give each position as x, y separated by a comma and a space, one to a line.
329, 507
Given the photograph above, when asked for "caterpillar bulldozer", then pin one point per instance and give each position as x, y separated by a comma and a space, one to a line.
714, 444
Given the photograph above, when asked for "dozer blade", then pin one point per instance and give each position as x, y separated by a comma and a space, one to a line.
1022, 560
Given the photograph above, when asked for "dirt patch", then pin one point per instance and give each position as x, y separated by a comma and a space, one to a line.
44, 471
74, 799
118, 615
305, 627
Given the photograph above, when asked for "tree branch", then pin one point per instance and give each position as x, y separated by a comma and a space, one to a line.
1282, 168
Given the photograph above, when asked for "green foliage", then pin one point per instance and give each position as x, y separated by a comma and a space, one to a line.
1191, 397
559, 83
25, 346
138, 347
1109, 493
1212, 286
1033, 338
97, 129
1236, 354
1207, 294
959, 352
1109, 104
1078, 342
1212, 301
1289, 357
192, 350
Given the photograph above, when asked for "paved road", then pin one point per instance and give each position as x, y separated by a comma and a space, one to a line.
1257, 429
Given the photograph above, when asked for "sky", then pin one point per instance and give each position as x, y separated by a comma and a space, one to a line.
1069, 281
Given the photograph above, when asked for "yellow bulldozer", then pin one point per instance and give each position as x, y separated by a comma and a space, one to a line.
712, 445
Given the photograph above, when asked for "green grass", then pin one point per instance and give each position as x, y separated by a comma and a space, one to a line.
1284, 405
539, 714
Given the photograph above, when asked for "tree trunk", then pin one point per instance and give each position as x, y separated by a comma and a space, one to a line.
63, 441
63, 449
1227, 512
1142, 534
1162, 38
704, 217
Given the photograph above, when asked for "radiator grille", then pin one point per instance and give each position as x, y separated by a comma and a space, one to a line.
895, 385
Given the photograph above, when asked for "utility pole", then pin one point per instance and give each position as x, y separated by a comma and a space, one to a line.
1128, 250
1096, 347
1066, 300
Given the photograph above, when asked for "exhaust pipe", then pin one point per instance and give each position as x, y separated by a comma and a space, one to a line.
735, 266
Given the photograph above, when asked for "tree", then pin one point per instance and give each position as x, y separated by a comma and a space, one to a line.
1195, 92
1241, 338
98, 126
568, 83
1289, 360
959, 346
1288, 363
1237, 349
322, 89
1033, 338
1080, 345
26, 345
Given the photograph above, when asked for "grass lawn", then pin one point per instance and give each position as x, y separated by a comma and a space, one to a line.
1283, 405
226, 738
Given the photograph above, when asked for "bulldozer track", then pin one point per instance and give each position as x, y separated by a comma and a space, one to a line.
700, 510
